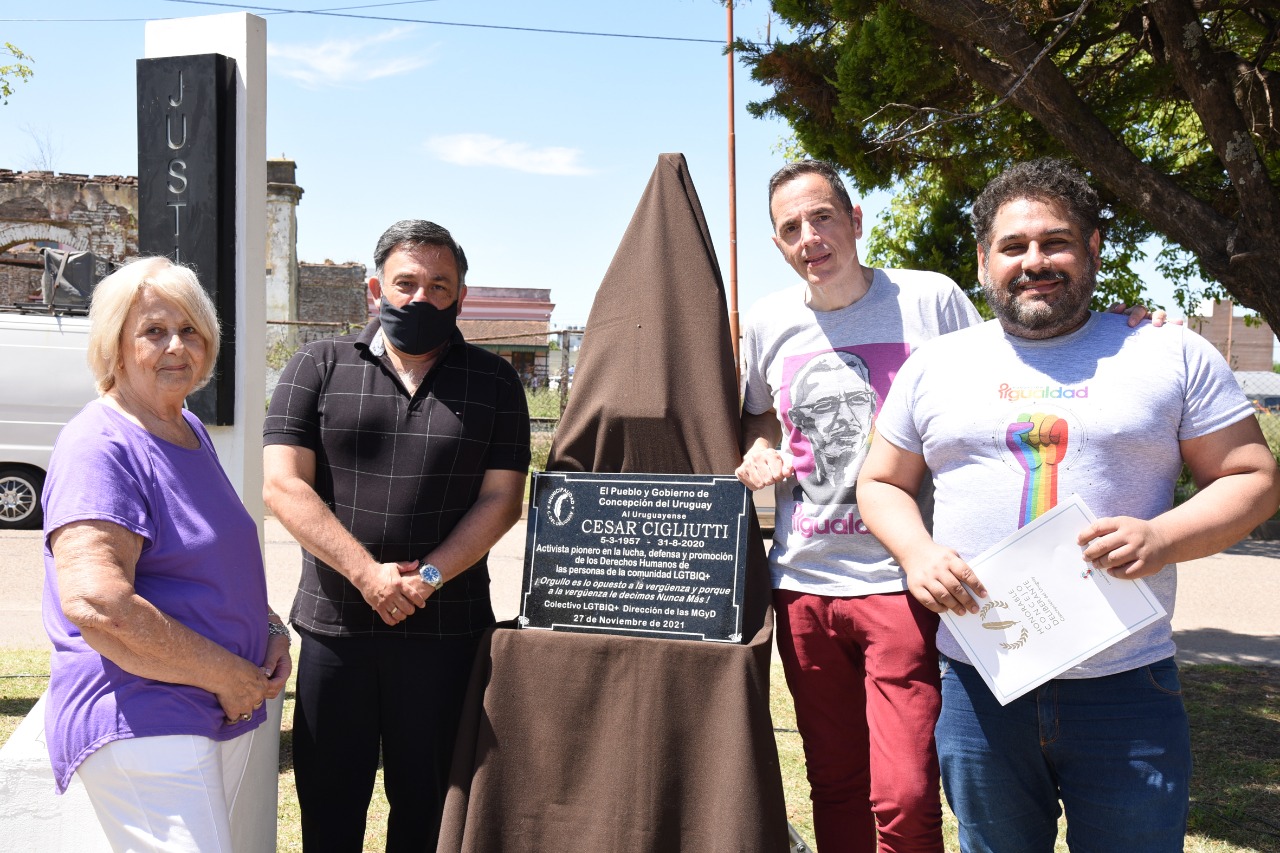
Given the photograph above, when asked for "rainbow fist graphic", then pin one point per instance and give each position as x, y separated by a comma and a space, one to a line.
1039, 442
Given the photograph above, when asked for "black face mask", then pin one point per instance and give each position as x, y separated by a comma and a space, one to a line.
419, 327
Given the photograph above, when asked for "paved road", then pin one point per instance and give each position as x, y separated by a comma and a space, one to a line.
1226, 603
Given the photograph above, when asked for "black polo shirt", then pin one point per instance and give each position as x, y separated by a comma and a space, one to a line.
398, 471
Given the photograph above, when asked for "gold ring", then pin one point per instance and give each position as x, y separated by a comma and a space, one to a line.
245, 717
395, 610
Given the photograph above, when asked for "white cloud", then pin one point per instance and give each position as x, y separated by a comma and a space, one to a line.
343, 62
479, 149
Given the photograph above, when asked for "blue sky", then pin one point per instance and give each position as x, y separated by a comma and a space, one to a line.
532, 147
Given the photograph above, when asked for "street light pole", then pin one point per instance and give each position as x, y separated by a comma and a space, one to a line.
733, 210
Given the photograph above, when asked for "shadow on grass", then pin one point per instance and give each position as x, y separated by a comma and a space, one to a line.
17, 707
1235, 743
1217, 646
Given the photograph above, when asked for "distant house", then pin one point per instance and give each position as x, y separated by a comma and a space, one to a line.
512, 322
1245, 347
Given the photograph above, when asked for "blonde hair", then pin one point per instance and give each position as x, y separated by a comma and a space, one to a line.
114, 297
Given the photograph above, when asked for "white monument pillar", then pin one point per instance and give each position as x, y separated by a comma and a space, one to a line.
32, 816
243, 37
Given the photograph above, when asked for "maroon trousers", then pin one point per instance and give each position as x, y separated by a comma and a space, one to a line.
864, 676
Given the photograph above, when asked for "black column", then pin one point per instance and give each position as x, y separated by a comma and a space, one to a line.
187, 192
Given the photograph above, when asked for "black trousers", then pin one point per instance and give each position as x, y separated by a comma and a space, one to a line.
361, 696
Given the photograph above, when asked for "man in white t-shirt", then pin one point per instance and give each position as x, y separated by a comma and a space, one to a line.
1048, 400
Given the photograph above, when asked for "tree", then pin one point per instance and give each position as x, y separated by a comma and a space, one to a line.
14, 71
1173, 107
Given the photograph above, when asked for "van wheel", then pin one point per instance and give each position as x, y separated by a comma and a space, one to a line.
20, 498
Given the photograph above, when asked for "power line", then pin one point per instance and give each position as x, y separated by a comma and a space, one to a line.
342, 12
447, 23
324, 11
276, 12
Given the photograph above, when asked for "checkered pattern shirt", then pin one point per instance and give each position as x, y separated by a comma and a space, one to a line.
398, 470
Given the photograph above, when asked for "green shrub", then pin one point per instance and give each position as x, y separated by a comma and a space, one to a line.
543, 403
539, 449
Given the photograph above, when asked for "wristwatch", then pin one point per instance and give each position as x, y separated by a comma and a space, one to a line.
431, 576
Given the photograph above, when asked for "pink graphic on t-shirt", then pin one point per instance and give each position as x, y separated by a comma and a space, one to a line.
829, 400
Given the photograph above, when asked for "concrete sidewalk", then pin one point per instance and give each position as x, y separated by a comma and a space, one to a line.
1225, 614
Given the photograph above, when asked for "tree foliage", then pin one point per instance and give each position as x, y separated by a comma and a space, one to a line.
1173, 107
15, 71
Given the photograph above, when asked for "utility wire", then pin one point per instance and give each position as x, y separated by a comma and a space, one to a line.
446, 23
342, 12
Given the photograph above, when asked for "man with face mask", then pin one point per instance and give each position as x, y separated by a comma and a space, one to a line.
397, 458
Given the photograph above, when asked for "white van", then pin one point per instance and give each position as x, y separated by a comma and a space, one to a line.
44, 381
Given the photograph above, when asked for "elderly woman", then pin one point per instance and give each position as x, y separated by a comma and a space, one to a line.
155, 598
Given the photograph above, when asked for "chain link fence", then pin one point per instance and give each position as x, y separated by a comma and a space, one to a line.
1263, 390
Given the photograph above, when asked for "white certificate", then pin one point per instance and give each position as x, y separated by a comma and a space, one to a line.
1046, 609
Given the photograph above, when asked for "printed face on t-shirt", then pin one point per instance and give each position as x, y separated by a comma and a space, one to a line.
833, 404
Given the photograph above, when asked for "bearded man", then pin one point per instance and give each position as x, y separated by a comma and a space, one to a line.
1051, 398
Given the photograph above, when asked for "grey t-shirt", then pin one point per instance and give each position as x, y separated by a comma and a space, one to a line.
826, 374
1008, 426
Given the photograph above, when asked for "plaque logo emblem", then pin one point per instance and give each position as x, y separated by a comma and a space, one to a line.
559, 507
1002, 625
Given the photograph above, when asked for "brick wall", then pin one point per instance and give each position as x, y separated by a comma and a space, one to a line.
96, 214
19, 282
1251, 346
332, 292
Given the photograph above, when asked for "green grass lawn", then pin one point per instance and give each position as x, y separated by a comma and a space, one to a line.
1235, 731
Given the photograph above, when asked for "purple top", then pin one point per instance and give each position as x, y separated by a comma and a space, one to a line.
200, 565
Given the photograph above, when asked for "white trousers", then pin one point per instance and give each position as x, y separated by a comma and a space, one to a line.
170, 794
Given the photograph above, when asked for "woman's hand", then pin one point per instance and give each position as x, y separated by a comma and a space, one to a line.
242, 688
277, 665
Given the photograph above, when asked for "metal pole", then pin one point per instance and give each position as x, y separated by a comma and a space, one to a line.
1231, 310
564, 369
733, 212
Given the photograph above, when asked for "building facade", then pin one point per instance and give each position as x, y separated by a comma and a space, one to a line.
304, 301
1245, 345
512, 322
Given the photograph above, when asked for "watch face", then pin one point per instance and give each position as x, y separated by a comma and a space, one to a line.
430, 574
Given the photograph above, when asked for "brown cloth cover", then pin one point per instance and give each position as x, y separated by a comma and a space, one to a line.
630, 744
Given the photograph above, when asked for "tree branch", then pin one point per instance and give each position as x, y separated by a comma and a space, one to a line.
962, 26
1207, 82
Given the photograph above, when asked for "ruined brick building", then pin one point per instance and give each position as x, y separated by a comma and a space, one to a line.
87, 214
304, 300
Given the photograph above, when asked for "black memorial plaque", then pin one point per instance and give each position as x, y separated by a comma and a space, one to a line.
187, 192
653, 555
